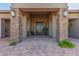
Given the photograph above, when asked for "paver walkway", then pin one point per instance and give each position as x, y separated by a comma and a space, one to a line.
38, 46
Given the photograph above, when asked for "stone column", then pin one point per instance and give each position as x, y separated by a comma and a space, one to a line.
28, 24
0, 28
50, 26
16, 26
24, 26
63, 25
54, 26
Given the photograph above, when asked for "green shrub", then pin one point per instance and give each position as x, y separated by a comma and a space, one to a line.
13, 42
66, 44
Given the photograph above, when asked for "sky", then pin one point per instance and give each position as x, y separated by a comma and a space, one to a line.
6, 6
73, 5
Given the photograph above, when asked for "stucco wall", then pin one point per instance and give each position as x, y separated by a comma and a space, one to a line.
74, 28
73, 15
39, 5
5, 15
54, 26
73, 18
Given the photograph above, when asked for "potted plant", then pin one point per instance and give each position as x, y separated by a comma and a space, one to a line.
28, 33
45, 30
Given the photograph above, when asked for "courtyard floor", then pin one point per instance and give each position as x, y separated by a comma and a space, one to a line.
38, 46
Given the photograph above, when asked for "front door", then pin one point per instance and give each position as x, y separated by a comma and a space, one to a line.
39, 27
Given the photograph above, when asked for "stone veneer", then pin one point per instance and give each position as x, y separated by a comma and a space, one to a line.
63, 25
16, 26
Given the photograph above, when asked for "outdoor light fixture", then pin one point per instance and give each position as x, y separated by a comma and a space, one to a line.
65, 13
13, 13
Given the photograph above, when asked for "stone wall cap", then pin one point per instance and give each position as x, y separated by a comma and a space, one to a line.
5, 11
70, 11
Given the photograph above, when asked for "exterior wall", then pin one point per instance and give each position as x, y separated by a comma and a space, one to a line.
39, 5
5, 15
73, 15
73, 18
74, 28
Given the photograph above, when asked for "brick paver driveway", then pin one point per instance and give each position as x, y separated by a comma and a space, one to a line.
41, 46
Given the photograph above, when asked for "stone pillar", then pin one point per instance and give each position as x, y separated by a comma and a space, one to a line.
50, 26
0, 28
63, 25
16, 26
24, 26
28, 24
54, 26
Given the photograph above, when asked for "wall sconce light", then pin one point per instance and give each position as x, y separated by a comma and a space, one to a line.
13, 13
65, 13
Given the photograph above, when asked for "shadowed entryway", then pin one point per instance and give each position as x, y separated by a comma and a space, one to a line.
39, 23
5, 28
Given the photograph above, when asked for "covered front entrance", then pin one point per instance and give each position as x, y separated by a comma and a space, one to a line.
39, 21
